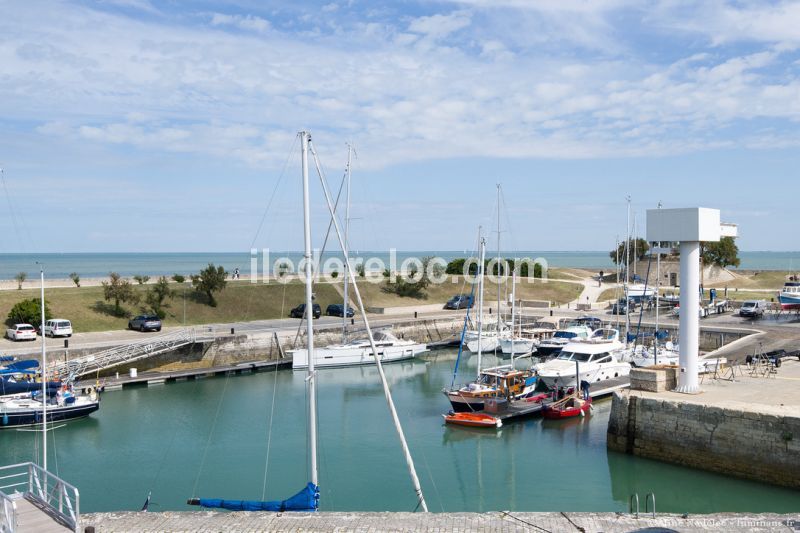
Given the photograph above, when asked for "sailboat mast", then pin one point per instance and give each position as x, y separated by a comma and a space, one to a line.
480, 303
347, 244
627, 269
312, 385
513, 307
44, 377
498, 260
387, 392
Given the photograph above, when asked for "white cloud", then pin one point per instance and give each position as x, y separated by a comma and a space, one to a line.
245, 22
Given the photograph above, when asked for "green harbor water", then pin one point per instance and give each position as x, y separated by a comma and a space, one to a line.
213, 438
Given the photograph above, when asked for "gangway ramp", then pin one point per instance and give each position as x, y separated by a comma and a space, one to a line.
118, 355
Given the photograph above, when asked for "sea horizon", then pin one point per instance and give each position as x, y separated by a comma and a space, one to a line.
89, 265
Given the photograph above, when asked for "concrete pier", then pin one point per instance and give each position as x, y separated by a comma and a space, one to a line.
436, 522
746, 424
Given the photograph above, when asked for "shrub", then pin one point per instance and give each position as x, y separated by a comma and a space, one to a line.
210, 280
29, 312
141, 280
21, 277
177, 278
76, 279
119, 290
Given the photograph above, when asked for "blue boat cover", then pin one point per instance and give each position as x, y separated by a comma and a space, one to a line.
19, 367
305, 500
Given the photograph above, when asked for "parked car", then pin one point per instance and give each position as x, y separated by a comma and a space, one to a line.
338, 310
145, 323
58, 327
21, 332
752, 308
623, 307
459, 301
300, 310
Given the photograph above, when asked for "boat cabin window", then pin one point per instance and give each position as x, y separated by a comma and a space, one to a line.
602, 358
582, 357
566, 356
564, 335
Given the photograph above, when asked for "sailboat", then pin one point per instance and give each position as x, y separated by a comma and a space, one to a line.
492, 332
496, 382
358, 351
29, 403
516, 343
308, 498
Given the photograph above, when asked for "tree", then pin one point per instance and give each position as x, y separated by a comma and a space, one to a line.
412, 289
119, 290
639, 245
178, 278
722, 254
361, 271
21, 277
76, 279
210, 280
141, 280
28, 312
156, 295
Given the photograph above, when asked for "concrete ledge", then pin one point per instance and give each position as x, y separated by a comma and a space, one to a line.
502, 521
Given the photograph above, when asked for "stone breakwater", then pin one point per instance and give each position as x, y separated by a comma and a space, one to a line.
748, 428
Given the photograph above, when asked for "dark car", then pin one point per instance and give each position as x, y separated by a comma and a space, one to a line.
300, 310
338, 310
460, 301
623, 307
145, 323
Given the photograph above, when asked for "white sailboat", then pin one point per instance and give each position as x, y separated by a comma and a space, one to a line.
515, 343
308, 498
357, 351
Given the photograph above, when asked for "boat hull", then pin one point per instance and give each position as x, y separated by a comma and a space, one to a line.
475, 420
464, 403
521, 346
789, 301
560, 412
591, 373
345, 356
13, 418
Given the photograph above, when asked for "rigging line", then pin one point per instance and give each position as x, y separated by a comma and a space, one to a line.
210, 435
504, 514
430, 475
269, 433
163, 461
274, 191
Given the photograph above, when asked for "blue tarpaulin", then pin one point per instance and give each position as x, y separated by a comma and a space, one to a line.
305, 500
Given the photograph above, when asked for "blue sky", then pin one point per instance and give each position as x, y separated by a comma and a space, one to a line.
131, 125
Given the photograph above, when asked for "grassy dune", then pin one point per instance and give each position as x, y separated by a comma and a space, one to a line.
242, 301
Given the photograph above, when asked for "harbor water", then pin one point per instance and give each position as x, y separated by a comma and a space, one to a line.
245, 437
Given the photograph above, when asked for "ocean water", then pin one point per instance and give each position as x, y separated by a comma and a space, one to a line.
97, 265
245, 437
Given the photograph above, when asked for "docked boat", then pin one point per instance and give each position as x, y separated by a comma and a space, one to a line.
789, 297
519, 345
640, 293
359, 352
29, 409
497, 382
490, 337
567, 408
475, 420
598, 358
562, 337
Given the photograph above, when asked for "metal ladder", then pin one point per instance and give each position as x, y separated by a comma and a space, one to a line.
635, 499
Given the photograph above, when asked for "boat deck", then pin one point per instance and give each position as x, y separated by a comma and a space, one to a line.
521, 408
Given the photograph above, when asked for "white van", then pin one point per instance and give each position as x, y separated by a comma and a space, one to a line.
753, 308
58, 327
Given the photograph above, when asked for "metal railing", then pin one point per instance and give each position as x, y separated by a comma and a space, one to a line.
8, 514
48, 490
118, 355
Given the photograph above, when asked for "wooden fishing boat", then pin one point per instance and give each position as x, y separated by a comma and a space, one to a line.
476, 420
567, 408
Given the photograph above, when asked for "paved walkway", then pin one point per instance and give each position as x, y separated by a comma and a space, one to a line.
436, 522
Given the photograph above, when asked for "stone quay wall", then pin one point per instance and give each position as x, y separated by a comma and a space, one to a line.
748, 443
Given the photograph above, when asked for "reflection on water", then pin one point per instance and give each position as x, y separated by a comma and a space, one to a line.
222, 438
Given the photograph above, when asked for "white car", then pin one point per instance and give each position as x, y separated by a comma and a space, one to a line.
21, 332
58, 327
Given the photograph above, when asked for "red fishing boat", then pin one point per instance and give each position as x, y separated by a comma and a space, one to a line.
476, 420
567, 408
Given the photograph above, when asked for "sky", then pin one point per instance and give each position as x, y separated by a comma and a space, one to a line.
131, 125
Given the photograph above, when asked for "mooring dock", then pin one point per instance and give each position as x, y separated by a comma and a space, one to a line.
160, 377
522, 408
